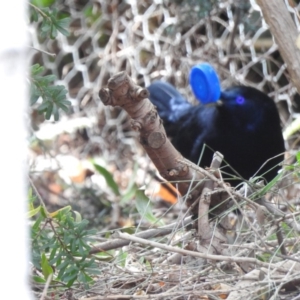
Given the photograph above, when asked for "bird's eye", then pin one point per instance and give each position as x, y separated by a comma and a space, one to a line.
240, 100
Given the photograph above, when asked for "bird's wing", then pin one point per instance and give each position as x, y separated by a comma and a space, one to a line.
169, 102
187, 125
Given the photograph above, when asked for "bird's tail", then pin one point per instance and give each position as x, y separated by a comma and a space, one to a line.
169, 102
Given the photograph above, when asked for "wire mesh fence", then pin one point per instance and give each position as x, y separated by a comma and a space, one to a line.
163, 39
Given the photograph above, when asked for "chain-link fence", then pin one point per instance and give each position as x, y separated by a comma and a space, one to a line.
163, 39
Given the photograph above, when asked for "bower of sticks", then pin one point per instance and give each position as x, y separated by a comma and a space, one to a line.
162, 243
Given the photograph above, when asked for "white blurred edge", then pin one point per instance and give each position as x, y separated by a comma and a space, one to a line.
14, 249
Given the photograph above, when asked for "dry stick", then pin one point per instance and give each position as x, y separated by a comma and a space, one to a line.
232, 193
45, 290
204, 203
131, 238
285, 32
113, 244
273, 210
265, 204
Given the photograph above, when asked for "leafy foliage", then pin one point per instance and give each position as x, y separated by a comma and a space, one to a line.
60, 246
54, 96
145, 209
52, 20
142, 202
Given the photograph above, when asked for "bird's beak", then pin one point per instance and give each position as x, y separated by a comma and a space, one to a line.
217, 103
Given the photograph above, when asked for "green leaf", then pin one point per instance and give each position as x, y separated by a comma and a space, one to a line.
59, 93
57, 256
48, 78
62, 24
82, 248
62, 211
49, 111
70, 272
36, 69
54, 96
52, 254
31, 198
63, 107
65, 102
70, 278
266, 188
78, 217
45, 28
109, 179
44, 211
53, 32
46, 268
62, 267
34, 94
43, 106
33, 212
37, 223
42, 3
73, 245
144, 207
34, 17
38, 279
298, 157
129, 194
55, 112
121, 259
84, 278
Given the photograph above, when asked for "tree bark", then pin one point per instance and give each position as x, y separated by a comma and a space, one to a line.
285, 33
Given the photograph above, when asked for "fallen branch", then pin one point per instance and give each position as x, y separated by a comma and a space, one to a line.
147, 234
279, 268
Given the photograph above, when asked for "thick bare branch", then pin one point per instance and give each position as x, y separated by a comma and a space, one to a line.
123, 92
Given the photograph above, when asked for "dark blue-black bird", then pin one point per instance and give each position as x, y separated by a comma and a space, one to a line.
244, 125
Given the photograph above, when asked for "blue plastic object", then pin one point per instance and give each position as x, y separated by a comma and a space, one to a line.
205, 83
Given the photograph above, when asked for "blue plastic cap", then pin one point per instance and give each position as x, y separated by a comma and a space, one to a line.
205, 83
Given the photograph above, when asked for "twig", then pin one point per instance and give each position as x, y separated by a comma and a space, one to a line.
43, 51
45, 290
113, 244
204, 229
134, 239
